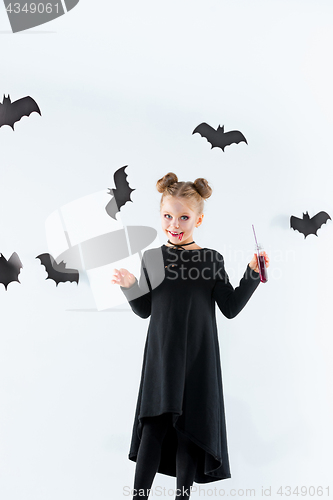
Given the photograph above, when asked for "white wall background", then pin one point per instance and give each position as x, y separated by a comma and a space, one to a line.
125, 83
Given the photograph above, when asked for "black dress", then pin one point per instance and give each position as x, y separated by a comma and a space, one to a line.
181, 371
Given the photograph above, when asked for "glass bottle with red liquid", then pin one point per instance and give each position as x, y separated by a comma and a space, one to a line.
261, 261
261, 264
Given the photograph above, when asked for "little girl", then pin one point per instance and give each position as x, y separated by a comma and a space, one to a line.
179, 426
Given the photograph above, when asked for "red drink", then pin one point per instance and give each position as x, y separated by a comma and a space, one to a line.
262, 268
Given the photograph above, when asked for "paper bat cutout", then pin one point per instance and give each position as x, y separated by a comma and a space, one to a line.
309, 225
57, 272
218, 138
11, 112
9, 270
121, 194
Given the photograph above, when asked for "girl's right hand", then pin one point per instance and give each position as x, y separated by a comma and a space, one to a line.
123, 278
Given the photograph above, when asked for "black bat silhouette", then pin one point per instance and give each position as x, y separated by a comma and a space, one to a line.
121, 194
11, 112
57, 272
218, 138
9, 270
309, 225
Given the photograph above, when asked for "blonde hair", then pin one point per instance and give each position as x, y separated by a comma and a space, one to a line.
194, 193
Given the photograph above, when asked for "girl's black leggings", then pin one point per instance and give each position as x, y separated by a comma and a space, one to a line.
149, 455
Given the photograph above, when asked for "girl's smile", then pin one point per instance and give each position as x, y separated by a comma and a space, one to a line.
178, 235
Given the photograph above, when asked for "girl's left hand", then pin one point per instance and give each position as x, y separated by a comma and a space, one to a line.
254, 262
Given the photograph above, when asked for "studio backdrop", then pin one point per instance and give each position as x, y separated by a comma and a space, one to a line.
99, 100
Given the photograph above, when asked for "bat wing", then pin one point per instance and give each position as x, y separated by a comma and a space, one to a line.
207, 132
233, 136
9, 270
57, 272
2, 115
18, 109
15, 261
299, 225
318, 220
68, 274
121, 194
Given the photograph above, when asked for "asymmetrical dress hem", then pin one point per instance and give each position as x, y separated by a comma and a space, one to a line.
181, 369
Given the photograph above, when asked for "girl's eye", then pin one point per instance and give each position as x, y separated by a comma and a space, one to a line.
168, 215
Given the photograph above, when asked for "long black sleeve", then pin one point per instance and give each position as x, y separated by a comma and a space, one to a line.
139, 294
231, 300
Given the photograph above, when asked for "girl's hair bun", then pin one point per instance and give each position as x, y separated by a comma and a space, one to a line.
166, 181
203, 188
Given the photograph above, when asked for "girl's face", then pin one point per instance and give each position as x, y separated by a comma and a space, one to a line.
177, 217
